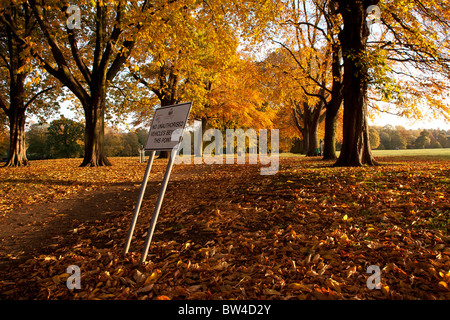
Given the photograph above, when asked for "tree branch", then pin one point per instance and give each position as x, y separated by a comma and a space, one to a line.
54, 47
37, 95
144, 82
63, 73
3, 106
301, 66
297, 120
76, 54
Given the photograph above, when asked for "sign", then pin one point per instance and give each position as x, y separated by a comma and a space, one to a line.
165, 133
167, 127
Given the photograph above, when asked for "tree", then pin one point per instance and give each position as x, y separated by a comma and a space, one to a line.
4, 138
185, 58
123, 144
86, 59
235, 98
36, 137
308, 42
333, 106
142, 135
355, 149
22, 80
374, 138
385, 140
332, 97
413, 45
409, 59
131, 144
307, 120
88, 70
408, 64
398, 141
174, 74
65, 138
443, 139
423, 141
436, 145
113, 143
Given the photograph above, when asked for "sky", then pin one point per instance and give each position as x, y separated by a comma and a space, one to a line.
386, 119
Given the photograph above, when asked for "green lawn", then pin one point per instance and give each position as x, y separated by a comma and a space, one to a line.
422, 153
437, 154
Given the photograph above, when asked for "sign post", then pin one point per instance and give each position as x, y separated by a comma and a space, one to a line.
165, 134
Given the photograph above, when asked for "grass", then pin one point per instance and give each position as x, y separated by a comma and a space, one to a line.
418, 154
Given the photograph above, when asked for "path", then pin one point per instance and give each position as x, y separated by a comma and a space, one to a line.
36, 229
40, 228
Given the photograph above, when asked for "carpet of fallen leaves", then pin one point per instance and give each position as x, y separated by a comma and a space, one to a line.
226, 232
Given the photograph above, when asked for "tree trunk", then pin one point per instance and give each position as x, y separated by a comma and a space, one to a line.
198, 145
313, 118
307, 122
17, 149
17, 108
313, 137
331, 115
356, 145
333, 106
329, 149
305, 142
94, 135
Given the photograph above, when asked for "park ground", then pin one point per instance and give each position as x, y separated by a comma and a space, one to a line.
226, 232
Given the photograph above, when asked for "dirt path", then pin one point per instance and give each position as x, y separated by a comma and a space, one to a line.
40, 228
36, 229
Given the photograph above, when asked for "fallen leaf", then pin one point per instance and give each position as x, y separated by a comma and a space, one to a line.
351, 271
147, 288
443, 285
155, 274
299, 286
271, 292
333, 284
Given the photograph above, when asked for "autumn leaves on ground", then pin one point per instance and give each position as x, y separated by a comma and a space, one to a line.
226, 232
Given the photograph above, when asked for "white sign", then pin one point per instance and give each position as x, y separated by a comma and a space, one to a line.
167, 127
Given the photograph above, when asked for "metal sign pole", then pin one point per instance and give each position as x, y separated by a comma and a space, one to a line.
165, 133
162, 191
139, 202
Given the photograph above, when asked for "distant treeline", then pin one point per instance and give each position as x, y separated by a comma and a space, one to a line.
391, 138
395, 138
64, 138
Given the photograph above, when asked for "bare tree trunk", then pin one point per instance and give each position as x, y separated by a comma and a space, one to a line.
331, 115
17, 108
313, 117
198, 145
307, 122
313, 144
329, 149
94, 135
333, 106
305, 135
355, 146
17, 148
302, 126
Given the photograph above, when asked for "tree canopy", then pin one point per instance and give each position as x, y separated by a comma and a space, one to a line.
249, 64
